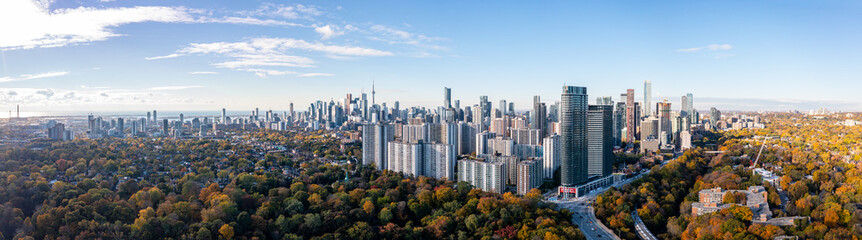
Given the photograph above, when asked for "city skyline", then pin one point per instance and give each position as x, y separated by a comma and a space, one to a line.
199, 56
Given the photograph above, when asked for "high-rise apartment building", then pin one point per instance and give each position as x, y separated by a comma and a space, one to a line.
600, 140
374, 144
467, 141
619, 122
573, 128
550, 155
121, 126
438, 160
526, 136
435, 160
714, 117
539, 116
488, 176
500, 145
647, 98
56, 132
529, 174
447, 97
631, 121
664, 120
649, 128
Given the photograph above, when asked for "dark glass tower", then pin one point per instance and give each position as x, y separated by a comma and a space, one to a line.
573, 128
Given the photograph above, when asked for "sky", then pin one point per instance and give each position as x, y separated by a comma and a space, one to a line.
122, 55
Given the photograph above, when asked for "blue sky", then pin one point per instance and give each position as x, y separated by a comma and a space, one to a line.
203, 55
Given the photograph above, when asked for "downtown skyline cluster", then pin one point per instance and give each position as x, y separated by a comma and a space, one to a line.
569, 143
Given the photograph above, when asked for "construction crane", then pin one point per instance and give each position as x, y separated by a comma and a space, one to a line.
763, 145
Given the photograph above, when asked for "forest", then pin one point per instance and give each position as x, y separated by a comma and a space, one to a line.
815, 159
158, 188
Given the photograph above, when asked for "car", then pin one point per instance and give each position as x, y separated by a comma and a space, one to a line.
594, 229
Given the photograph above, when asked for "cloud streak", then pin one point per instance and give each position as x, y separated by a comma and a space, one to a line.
33, 76
51, 98
253, 54
711, 47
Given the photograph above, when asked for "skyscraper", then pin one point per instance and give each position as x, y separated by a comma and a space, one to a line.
631, 129
155, 117
686, 105
447, 97
647, 98
539, 116
600, 139
121, 126
664, 121
690, 98
223, 116
573, 126
619, 121
550, 155
363, 106
485, 106
374, 144
347, 100
714, 116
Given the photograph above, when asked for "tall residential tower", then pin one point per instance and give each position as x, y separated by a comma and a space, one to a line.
573, 128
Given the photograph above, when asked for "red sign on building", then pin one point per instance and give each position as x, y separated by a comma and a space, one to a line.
569, 190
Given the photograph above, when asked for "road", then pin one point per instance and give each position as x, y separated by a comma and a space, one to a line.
584, 214
641, 228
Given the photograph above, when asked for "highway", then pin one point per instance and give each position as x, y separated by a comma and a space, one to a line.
642, 230
584, 214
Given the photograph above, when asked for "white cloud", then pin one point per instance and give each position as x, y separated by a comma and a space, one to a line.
202, 72
278, 60
61, 27
52, 98
711, 47
266, 72
329, 31
316, 75
33, 76
252, 54
250, 21
163, 57
172, 88
396, 36
38, 26
298, 11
